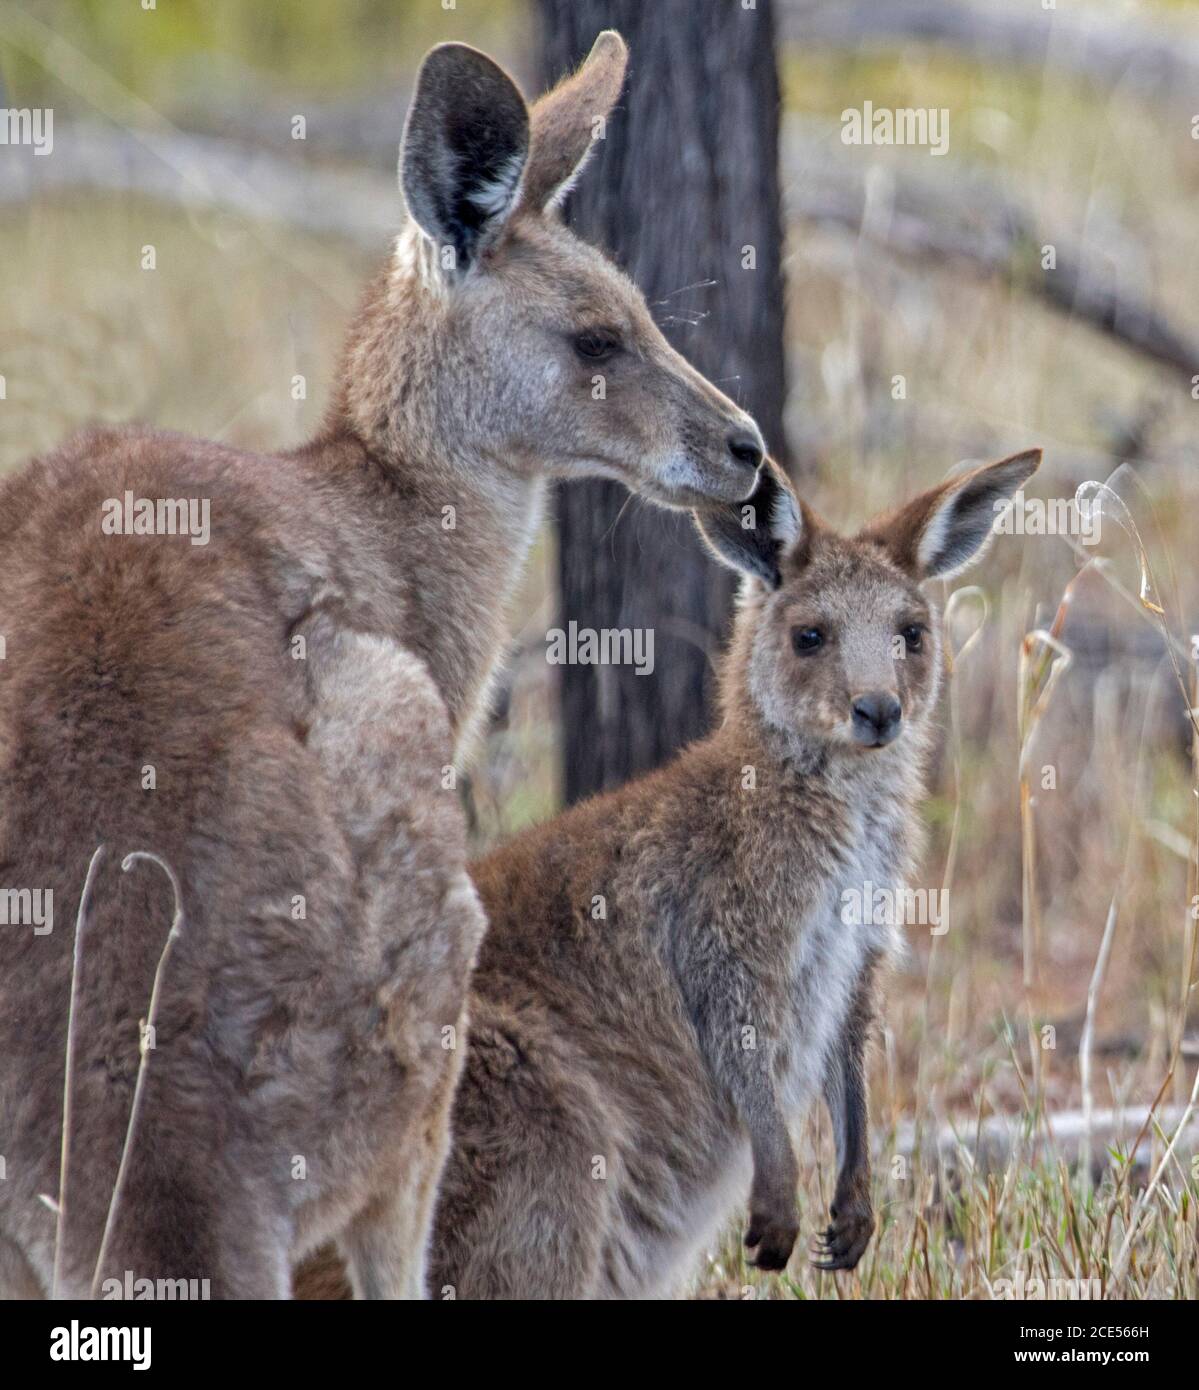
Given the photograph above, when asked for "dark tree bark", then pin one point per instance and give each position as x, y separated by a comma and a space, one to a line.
684, 182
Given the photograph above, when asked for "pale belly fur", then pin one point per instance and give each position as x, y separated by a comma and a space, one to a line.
828, 958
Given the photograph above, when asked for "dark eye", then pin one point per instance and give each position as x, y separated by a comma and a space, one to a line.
596, 343
807, 639
913, 636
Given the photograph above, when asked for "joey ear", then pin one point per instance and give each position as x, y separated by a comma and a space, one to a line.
753, 536
944, 530
466, 142
568, 120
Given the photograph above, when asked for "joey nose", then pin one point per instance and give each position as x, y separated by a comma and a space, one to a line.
746, 448
876, 718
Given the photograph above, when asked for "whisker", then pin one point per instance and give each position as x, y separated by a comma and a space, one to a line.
698, 285
630, 498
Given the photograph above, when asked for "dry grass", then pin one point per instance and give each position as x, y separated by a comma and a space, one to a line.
1028, 1220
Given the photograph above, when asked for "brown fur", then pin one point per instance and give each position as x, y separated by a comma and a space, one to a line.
304, 1063
634, 1076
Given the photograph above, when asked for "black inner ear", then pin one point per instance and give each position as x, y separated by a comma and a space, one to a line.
483, 150
465, 143
751, 548
969, 525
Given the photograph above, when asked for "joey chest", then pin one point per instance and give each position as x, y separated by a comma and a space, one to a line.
836, 933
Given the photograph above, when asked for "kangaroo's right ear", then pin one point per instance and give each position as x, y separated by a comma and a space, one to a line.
753, 536
568, 120
466, 141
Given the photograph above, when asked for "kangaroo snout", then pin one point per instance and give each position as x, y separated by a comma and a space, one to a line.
876, 718
746, 446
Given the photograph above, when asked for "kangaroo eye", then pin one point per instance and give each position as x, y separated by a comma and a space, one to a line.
913, 636
807, 639
596, 343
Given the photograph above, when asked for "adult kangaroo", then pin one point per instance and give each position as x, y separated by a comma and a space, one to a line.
270, 703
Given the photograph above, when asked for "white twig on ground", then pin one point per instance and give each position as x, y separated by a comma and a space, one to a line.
68, 1082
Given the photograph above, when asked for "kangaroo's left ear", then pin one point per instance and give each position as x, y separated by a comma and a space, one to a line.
943, 531
568, 120
753, 536
465, 144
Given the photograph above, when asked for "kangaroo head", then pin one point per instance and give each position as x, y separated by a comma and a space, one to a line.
838, 642
499, 333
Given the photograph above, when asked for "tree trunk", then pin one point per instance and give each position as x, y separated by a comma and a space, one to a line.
682, 191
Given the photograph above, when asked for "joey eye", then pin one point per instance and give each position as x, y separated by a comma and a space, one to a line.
806, 639
913, 636
596, 343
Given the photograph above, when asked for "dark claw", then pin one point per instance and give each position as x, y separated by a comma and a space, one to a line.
841, 1245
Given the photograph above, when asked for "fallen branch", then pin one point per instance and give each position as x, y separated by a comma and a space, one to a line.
203, 172
989, 1146
958, 218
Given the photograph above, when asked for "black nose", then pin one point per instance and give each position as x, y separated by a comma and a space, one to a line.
876, 718
746, 447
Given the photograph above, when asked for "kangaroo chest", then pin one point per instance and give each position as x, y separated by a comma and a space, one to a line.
834, 938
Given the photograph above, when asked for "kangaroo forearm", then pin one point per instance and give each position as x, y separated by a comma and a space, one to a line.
773, 1225
742, 1058
776, 1173
853, 1149
845, 1087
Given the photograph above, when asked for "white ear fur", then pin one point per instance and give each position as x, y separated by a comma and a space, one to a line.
495, 197
785, 520
962, 523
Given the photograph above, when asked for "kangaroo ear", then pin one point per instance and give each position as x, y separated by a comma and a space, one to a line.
942, 531
753, 536
465, 144
568, 120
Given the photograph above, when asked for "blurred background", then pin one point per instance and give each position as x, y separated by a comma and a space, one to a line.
887, 311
